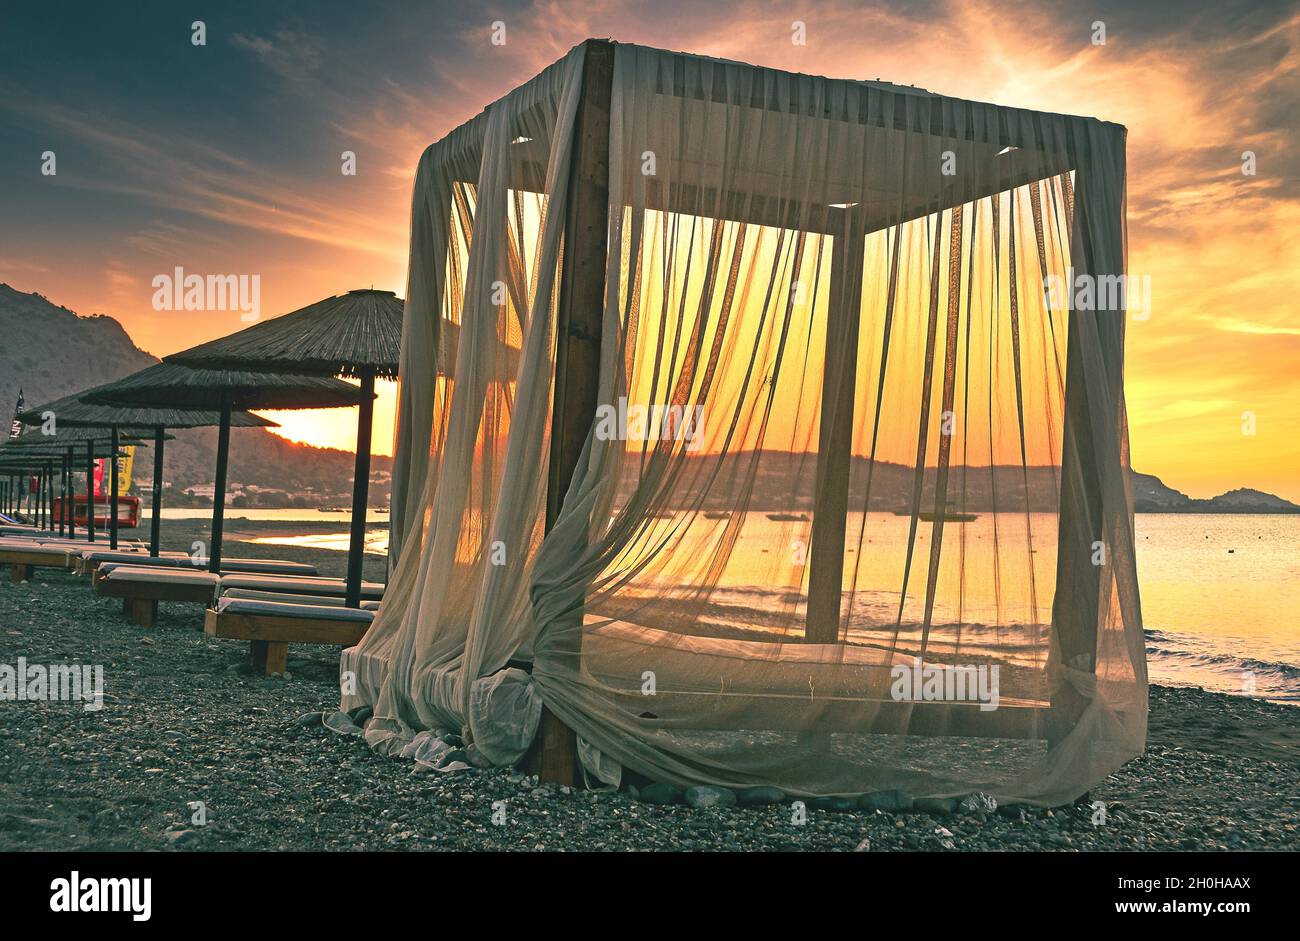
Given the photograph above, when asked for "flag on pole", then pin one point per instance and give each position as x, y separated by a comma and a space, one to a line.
17, 427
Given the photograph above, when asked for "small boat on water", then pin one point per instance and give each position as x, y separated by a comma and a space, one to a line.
717, 515
331, 509
788, 517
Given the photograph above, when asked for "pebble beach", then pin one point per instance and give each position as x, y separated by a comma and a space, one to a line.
186, 725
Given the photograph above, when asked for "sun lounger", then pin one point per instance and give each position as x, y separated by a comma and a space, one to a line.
329, 587
142, 587
23, 557
253, 594
44, 539
90, 559
270, 627
767, 686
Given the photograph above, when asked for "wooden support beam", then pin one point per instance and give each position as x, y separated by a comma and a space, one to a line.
112, 488
219, 491
1076, 606
142, 611
49, 495
155, 523
360, 490
268, 656
579, 323
835, 442
90, 491
69, 513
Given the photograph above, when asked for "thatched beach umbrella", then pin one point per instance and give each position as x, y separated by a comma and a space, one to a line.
72, 411
170, 385
98, 442
358, 334
20, 463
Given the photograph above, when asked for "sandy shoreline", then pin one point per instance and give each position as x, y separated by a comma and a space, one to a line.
185, 722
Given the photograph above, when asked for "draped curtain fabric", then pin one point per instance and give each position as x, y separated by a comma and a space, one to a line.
860, 443
474, 401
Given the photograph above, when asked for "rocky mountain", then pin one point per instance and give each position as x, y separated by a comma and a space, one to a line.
49, 351
1244, 500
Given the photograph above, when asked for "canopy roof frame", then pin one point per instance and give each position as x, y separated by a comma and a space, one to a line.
1010, 148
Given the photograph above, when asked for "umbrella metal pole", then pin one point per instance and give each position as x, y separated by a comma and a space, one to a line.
90, 491
112, 491
360, 490
155, 524
68, 511
219, 493
63, 487
43, 498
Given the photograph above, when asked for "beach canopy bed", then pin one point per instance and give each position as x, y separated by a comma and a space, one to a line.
811, 471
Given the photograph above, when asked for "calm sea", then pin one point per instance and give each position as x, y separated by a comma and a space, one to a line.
1220, 593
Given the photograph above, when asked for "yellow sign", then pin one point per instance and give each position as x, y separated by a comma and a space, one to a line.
124, 470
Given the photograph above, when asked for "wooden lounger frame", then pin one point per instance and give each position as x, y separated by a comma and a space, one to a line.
22, 561
140, 599
269, 636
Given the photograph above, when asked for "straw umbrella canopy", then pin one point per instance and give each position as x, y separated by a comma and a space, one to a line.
72, 411
170, 385
356, 334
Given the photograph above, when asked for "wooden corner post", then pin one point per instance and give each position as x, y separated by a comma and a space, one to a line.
578, 330
1077, 602
360, 489
835, 442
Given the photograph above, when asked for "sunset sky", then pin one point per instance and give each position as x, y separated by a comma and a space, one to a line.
225, 158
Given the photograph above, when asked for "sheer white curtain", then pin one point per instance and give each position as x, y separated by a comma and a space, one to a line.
456, 608
845, 282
